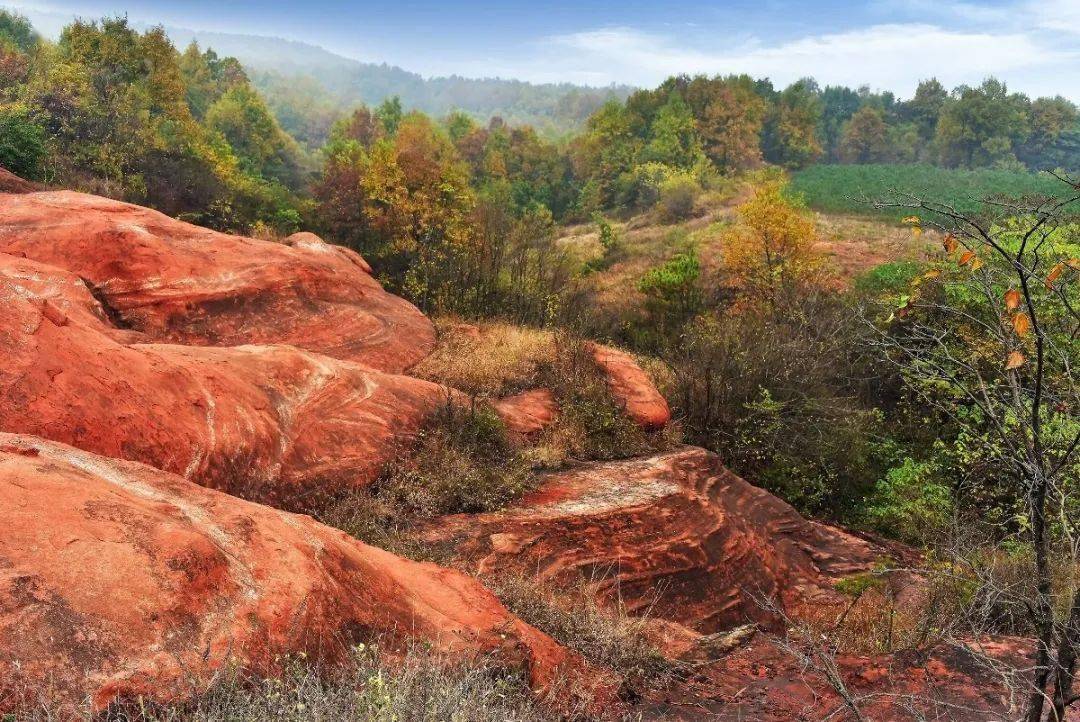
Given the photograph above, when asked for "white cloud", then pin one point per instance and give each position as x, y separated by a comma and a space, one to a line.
890, 56
1057, 15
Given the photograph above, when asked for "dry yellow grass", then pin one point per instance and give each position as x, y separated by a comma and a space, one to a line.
491, 359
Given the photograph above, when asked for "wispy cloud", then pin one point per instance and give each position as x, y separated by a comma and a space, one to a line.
893, 56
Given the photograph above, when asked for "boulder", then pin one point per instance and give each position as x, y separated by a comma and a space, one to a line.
675, 535
179, 283
631, 387
272, 423
118, 580
528, 413
11, 183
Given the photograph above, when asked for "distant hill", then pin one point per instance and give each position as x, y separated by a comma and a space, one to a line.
305, 85
308, 87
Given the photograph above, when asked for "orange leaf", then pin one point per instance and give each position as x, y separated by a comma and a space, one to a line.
950, 242
1014, 361
1012, 299
967, 257
1021, 323
1055, 272
916, 231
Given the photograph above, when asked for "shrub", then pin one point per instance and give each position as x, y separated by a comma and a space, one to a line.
911, 502
672, 292
462, 462
22, 142
677, 196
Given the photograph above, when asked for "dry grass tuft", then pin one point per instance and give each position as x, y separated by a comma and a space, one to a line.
498, 361
606, 637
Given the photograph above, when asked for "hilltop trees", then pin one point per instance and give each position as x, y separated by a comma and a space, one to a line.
122, 113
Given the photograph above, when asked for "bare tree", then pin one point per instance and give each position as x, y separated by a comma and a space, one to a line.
991, 336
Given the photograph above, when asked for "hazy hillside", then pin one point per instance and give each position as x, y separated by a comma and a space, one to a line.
306, 85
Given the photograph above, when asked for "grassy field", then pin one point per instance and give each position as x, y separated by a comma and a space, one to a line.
850, 188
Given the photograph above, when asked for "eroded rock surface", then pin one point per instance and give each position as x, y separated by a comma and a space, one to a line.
179, 283
118, 579
631, 387
272, 423
528, 413
676, 534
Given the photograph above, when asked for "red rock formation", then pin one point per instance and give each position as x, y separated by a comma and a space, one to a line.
273, 423
122, 580
179, 283
678, 534
528, 413
631, 387
11, 183
760, 681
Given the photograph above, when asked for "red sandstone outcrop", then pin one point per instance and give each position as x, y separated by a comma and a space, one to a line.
763, 682
273, 423
180, 283
631, 387
528, 413
122, 580
677, 534
11, 183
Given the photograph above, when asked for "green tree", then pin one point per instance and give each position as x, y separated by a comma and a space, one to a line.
390, 114
791, 131
982, 126
673, 137
22, 142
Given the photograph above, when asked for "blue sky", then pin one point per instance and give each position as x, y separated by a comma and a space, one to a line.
888, 44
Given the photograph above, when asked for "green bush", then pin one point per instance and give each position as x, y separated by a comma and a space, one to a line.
911, 502
677, 196
22, 142
888, 279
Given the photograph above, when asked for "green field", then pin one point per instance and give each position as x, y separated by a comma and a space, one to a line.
850, 188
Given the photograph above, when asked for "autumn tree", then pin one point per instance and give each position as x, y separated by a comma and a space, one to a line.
865, 137
731, 124
769, 251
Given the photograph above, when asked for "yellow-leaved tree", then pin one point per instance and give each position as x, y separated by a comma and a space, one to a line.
769, 250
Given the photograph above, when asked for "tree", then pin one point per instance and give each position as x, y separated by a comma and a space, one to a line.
924, 108
791, 131
390, 114
981, 126
673, 138
22, 142
731, 124
770, 250
865, 138
838, 104
988, 337
17, 34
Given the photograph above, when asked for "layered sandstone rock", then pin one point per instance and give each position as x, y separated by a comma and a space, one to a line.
273, 423
120, 580
676, 534
180, 283
631, 387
